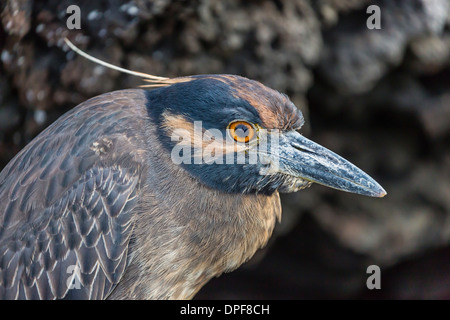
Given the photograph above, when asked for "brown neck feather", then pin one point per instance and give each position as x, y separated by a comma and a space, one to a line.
186, 233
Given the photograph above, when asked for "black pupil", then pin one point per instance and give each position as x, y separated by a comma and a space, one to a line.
241, 130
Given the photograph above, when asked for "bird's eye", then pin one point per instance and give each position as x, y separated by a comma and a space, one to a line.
241, 131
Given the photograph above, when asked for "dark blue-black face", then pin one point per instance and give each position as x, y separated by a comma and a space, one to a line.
246, 115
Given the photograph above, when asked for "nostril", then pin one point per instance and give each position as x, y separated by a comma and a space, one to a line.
302, 149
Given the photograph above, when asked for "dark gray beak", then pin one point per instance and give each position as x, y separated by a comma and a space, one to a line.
303, 158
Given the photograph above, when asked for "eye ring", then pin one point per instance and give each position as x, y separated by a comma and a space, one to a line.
241, 131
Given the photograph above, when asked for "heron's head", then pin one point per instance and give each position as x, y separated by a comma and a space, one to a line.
237, 135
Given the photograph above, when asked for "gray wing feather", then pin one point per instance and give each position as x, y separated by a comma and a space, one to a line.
67, 200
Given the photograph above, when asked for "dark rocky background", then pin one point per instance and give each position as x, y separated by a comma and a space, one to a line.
380, 98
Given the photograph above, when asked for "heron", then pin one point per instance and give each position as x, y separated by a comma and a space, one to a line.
116, 200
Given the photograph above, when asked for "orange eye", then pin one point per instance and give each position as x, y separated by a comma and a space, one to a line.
241, 131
